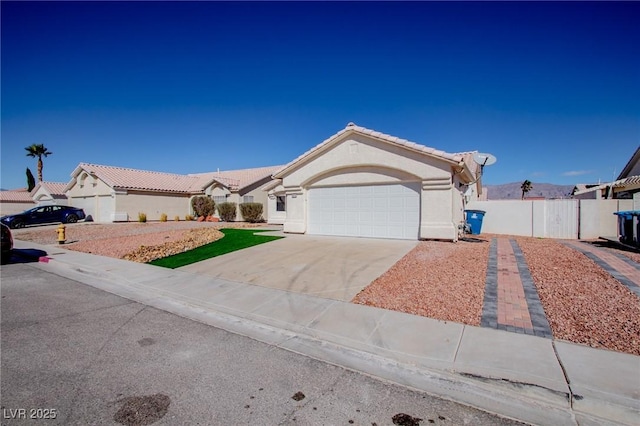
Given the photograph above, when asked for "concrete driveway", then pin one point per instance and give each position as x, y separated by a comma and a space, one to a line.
331, 267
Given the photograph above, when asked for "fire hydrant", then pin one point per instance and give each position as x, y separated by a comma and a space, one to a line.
61, 234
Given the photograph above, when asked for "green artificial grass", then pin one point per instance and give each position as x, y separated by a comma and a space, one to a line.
234, 239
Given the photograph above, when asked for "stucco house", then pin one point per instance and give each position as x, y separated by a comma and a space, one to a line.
626, 186
19, 200
49, 193
113, 194
360, 182
15, 201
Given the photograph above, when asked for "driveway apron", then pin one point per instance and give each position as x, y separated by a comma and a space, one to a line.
331, 267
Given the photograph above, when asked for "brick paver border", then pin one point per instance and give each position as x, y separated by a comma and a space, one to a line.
591, 254
539, 320
490, 304
492, 300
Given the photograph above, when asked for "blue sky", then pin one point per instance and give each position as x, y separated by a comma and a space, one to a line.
551, 89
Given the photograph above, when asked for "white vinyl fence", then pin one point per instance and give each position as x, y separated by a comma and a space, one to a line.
568, 219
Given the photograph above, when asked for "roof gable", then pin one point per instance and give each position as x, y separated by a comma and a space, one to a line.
55, 189
143, 180
238, 179
393, 140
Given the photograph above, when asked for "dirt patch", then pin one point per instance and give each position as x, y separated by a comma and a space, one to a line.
142, 410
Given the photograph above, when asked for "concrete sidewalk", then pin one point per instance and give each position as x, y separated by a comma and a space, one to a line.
528, 378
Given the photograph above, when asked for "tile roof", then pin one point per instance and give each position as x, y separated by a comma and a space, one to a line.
56, 189
353, 128
240, 178
16, 196
620, 183
145, 180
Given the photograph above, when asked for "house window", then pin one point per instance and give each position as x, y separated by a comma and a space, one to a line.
247, 199
219, 199
280, 203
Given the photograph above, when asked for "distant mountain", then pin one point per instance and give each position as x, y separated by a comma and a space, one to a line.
512, 191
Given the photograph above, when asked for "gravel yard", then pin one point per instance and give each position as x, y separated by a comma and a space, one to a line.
446, 281
436, 279
440, 280
139, 242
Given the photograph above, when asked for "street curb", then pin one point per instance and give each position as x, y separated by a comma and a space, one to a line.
519, 401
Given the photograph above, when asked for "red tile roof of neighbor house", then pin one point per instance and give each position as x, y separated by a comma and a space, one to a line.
16, 196
240, 178
351, 127
145, 180
56, 189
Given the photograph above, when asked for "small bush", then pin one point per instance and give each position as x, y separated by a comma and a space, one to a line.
227, 211
251, 212
142, 217
203, 206
177, 218
163, 217
188, 218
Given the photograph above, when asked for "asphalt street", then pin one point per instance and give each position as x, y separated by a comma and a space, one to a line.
73, 354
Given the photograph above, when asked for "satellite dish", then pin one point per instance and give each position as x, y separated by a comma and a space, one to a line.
484, 159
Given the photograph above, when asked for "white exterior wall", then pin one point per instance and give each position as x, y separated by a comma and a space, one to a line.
274, 217
95, 197
597, 218
359, 160
510, 217
153, 205
570, 219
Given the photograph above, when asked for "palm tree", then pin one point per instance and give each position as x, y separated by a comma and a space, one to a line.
526, 187
38, 150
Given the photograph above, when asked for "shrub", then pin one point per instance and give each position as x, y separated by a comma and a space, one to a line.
203, 206
251, 212
227, 211
142, 217
188, 217
177, 218
163, 217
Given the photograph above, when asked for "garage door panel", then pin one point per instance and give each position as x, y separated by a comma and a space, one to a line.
380, 211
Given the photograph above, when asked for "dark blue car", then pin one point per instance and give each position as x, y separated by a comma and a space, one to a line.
43, 214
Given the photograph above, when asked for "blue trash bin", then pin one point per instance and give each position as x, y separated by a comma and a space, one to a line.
627, 232
474, 219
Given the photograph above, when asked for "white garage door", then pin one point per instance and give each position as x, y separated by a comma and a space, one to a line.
377, 211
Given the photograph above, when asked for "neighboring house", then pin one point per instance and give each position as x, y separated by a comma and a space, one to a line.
240, 186
626, 186
364, 183
49, 193
15, 201
113, 194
